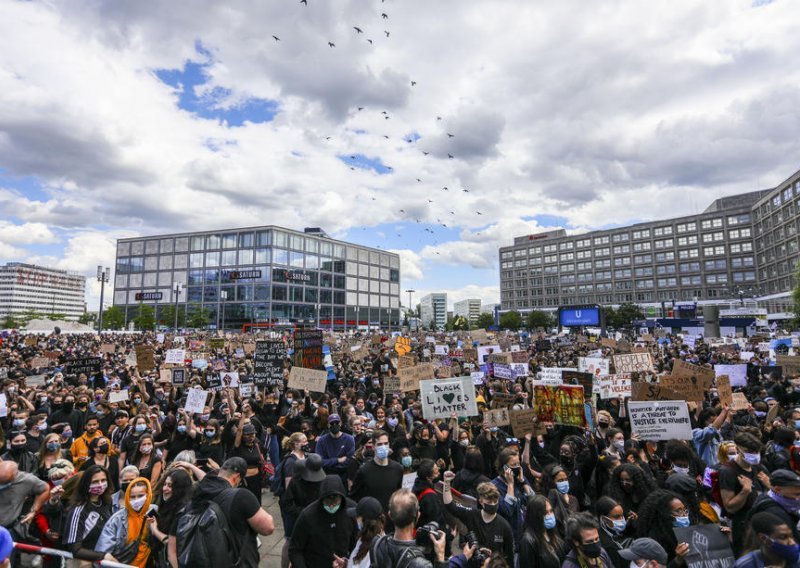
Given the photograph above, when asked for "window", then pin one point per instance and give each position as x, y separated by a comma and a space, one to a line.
739, 233
667, 282
689, 253
686, 227
245, 240
711, 223
713, 237
228, 258
583, 243
642, 234
665, 269
567, 267
565, 246
714, 251
739, 219
519, 252
744, 276
646, 271
197, 243
551, 258
742, 261
567, 256
741, 247
644, 284
664, 243
622, 249
549, 248
690, 280
638, 247
690, 266
626, 273
583, 254
620, 238
622, 261
715, 265
643, 259
662, 231
584, 266
602, 263
535, 250
602, 252
663, 256
600, 240
690, 240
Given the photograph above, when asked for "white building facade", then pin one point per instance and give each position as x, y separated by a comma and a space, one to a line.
470, 309
433, 308
31, 288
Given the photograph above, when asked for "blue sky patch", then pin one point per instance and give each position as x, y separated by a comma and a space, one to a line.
364, 163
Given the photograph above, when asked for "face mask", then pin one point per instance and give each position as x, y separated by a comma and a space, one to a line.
791, 505
592, 550
677, 469
18, 422
332, 508
392, 422
98, 489
102, 449
140, 428
42, 427
752, 459
53, 446
760, 414
83, 404
57, 482
68, 406
464, 442
17, 448
146, 449
209, 434
137, 400
406, 461
789, 552
335, 428
490, 509
182, 429
562, 486
306, 448
138, 503
681, 521
733, 457
66, 435
204, 417
550, 521
382, 452
123, 487
602, 425
618, 525
619, 445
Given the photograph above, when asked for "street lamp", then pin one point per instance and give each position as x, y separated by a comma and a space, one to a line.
177, 288
411, 291
102, 277
318, 308
223, 295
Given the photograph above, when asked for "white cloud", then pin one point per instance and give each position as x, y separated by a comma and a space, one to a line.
26, 233
411, 265
9, 252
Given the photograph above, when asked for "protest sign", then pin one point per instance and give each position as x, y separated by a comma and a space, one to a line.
504, 358
746, 355
107, 348
736, 373
559, 405
85, 365
739, 401
608, 342
495, 418
502, 400
577, 378
660, 420
408, 480
724, 390
118, 396
130, 359
519, 357
246, 389
35, 380
503, 371
479, 335
3, 372
790, 364
175, 356
469, 354
165, 375
195, 401
485, 350
229, 379
268, 363
214, 343
52, 355
410, 377
144, 358
444, 372
441, 350
633, 363
641, 390
553, 375
443, 397
477, 377
39, 362
214, 382
309, 379
597, 366
391, 384
308, 349
615, 386
543, 345
708, 546
178, 377
682, 369
3, 406
688, 388
522, 421
31, 341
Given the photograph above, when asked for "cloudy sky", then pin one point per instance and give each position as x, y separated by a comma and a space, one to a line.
439, 131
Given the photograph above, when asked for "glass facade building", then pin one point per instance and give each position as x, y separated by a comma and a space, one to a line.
260, 275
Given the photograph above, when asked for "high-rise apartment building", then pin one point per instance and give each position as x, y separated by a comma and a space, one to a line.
31, 288
470, 309
433, 309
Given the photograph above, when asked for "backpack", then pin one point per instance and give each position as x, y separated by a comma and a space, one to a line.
396, 557
205, 540
277, 483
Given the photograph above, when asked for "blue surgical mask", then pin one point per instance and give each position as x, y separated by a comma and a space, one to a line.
53, 446
332, 509
141, 427
382, 452
392, 422
788, 552
562, 486
752, 459
550, 521
182, 428
618, 525
18, 422
406, 461
681, 521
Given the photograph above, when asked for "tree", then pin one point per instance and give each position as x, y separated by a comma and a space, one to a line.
432, 325
460, 323
623, 316
114, 318
11, 322
56, 317
199, 316
539, 319
511, 320
146, 318
168, 316
88, 318
484, 321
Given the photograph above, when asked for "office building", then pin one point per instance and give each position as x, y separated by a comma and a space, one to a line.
433, 310
30, 288
261, 275
708, 258
469, 309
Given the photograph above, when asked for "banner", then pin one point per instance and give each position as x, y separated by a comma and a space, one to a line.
660, 420
410, 377
615, 386
175, 356
633, 363
309, 379
443, 397
708, 546
559, 405
736, 373
268, 360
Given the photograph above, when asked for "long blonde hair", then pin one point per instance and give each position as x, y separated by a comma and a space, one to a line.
290, 441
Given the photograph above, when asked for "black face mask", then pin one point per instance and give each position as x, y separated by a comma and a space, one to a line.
335, 428
490, 509
592, 550
17, 448
68, 406
306, 448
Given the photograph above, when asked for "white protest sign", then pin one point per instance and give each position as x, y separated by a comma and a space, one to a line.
3, 406
597, 366
615, 386
175, 356
552, 375
477, 377
245, 389
485, 350
160, 337
443, 397
430, 339
118, 396
309, 379
502, 371
690, 340
441, 350
746, 355
195, 401
660, 420
408, 480
737, 374
229, 379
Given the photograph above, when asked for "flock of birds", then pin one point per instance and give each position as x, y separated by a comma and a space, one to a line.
354, 159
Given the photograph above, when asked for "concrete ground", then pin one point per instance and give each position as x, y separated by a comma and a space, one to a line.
271, 545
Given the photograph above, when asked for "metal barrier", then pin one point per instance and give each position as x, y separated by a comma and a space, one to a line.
42, 550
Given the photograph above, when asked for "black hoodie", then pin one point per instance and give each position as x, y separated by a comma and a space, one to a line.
318, 535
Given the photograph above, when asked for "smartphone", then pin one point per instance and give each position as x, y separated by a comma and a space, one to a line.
151, 513
201, 462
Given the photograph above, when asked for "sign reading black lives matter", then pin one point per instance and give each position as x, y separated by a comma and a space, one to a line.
307, 348
442, 397
708, 546
178, 376
268, 363
86, 365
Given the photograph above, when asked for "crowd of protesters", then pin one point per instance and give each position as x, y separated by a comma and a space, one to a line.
109, 477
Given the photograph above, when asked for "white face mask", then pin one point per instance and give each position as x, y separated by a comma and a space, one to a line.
138, 503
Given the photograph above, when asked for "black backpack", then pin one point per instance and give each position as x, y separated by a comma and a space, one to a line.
205, 540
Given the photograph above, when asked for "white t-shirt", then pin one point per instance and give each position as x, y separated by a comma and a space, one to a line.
364, 562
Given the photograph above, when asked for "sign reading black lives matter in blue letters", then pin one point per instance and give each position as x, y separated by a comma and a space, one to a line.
442, 397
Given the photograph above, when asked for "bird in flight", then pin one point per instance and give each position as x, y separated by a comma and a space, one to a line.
452, 212
385, 16
360, 109
426, 153
450, 156
478, 212
413, 83
276, 38
465, 190
450, 135
445, 188
387, 33
370, 41
304, 2
430, 201
385, 136
402, 211
419, 179
331, 44
438, 118
358, 30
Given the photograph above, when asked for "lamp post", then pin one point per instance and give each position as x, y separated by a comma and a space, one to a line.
102, 277
318, 308
411, 291
223, 295
358, 323
177, 288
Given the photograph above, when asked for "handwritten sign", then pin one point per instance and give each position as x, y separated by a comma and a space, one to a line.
39, 362
522, 421
443, 397
195, 401
308, 379
597, 366
108, 348
144, 358
790, 364
410, 377
739, 401
503, 400
268, 363
615, 386
688, 388
391, 384
660, 420
175, 356
708, 546
178, 377
118, 396
641, 390
633, 363
736, 373
477, 377
85, 365
682, 369
495, 418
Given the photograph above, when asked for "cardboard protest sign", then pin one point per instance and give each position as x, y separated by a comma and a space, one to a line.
144, 358
195, 401
406, 361
86, 365
408, 480
52, 355
31, 341
597, 366
688, 388
736, 373
410, 377
641, 390
118, 396
559, 405
39, 362
107, 348
444, 372
308, 379
790, 364
175, 356
469, 354
724, 390
633, 363
739, 401
585, 380
479, 335
520, 357
477, 377
178, 377
708, 546
268, 363
522, 421
660, 420
615, 386
682, 369
443, 397
504, 358
214, 343
502, 400
608, 342
130, 359
391, 384
495, 418
165, 375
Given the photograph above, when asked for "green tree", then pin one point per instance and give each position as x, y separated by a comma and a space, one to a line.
624, 315
88, 318
511, 320
199, 316
539, 319
146, 318
114, 318
168, 316
56, 317
460, 323
484, 321
11, 322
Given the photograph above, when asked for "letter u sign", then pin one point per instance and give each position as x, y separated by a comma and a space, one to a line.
577, 314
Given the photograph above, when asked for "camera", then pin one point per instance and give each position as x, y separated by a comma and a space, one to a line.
479, 556
424, 533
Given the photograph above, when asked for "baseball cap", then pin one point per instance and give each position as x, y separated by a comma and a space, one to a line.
784, 478
367, 508
334, 418
248, 429
645, 549
236, 465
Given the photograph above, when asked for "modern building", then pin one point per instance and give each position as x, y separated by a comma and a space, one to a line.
433, 308
30, 288
469, 309
260, 275
708, 258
